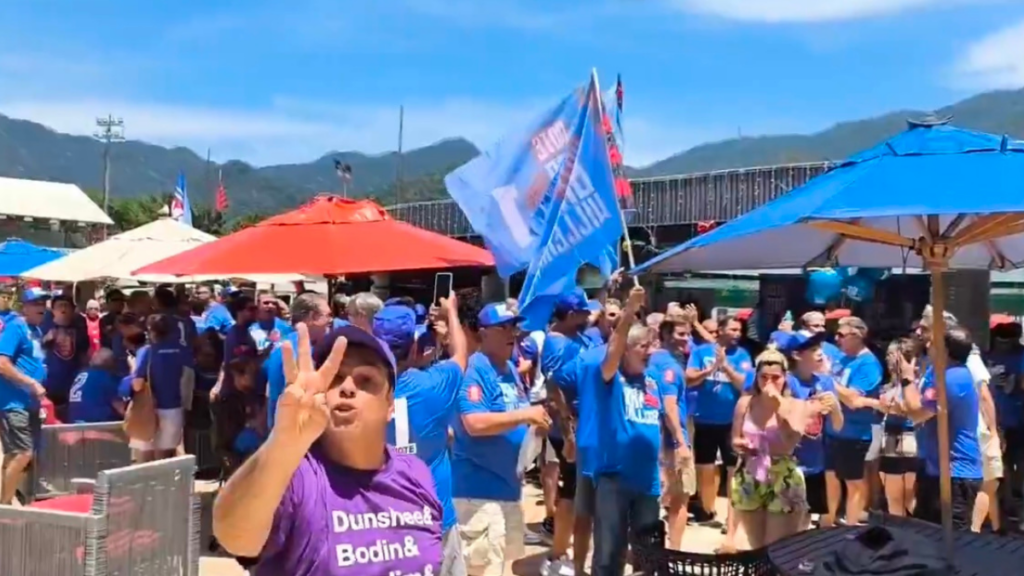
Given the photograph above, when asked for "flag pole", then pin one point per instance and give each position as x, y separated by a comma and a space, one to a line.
618, 207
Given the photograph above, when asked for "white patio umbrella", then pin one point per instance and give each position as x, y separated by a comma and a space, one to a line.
119, 255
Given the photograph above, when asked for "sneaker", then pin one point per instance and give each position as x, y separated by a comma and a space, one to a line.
557, 567
542, 535
547, 527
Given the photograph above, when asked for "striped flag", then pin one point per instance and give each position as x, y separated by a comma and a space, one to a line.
220, 201
612, 123
181, 209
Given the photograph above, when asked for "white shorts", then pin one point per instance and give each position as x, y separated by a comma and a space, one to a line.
170, 428
875, 450
491, 533
991, 456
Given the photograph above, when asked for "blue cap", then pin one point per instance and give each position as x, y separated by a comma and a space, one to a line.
396, 326
594, 305
496, 314
356, 337
35, 294
575, 301
792, 342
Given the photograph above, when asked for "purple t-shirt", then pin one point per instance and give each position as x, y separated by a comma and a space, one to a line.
335, 521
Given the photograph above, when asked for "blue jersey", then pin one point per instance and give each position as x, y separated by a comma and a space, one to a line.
717, 395
269, 333
1005, 383
485, 467
23, 345
862, 373
672, 382
558, 357
426, 401
92, 397
218, 318
810, 452
162, 364
272, 375
962, 400
66, 354
631, 408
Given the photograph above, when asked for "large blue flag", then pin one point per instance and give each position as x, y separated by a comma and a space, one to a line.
582, 221
503, 191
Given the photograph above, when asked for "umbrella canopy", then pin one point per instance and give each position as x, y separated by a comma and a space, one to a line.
17, 256
329, 236
119, 255
932, 184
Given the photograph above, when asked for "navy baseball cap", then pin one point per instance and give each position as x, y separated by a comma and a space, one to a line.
497, 314
396, 326
575, 301
797, 341
34, 294
356, 337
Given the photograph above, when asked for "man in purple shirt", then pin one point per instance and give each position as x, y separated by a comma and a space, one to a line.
325, 495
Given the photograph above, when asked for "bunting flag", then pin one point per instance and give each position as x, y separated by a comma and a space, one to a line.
612, 123
221, 203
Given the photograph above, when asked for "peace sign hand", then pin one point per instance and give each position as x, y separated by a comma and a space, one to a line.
302, 413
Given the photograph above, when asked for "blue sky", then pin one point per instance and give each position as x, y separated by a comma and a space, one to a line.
272, 81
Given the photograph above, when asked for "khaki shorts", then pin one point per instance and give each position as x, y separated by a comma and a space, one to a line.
677, 482
991, 456
491, 533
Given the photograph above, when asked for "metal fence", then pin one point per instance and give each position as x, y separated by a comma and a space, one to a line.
144, 520
73, 451
660, 201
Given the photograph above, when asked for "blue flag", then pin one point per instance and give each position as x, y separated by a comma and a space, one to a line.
503, 191
582, 223
181, 209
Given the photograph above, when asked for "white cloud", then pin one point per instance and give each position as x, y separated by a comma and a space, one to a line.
780, 11
995, 61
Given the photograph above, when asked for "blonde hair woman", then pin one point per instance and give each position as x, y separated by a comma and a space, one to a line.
768, 490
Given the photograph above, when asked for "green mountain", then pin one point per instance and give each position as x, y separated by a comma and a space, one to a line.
996, 112
30, 150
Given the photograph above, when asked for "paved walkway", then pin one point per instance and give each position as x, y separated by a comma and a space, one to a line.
697, 539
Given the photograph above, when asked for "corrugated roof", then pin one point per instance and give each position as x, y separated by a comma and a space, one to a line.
48, 201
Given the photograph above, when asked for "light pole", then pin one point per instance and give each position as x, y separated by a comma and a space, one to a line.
109, 130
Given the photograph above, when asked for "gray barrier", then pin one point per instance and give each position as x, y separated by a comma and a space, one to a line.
145, 519
72, 451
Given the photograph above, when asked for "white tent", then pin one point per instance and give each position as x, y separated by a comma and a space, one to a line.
117, 256
48, 201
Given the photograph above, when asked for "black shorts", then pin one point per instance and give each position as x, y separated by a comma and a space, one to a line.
817, 497
566, 471
19, 431
845, 457
711, 439
928, 508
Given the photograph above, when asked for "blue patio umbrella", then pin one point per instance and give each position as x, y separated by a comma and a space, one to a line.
17, 256
934, 197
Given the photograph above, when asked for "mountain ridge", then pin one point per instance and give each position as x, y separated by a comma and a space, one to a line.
32, 150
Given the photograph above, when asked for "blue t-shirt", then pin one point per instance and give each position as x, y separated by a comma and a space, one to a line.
162, 364
629, 443
1005, 369
183, 336
810, 452
833, 354
237, 344
586, 383
485, 467
594, 335
716, 395
65, 355
425, 403
218, 318
672, 382
199, 322
557, 358
92, 397
271, 375
862, 373
267, 333
962, 400
23, 344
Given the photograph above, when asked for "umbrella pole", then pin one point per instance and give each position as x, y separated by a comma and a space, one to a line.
938, 358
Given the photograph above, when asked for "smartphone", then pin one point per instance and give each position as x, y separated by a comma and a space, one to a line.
442, 286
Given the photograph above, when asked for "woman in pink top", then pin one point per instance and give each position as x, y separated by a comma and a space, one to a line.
768, 491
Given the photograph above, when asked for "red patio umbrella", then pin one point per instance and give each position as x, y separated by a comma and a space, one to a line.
329, 236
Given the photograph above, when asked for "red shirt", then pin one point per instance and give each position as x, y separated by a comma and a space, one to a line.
95, 333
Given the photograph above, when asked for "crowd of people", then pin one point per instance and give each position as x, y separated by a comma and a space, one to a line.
391, 438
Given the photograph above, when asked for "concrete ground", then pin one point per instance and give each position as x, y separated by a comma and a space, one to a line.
697, 539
